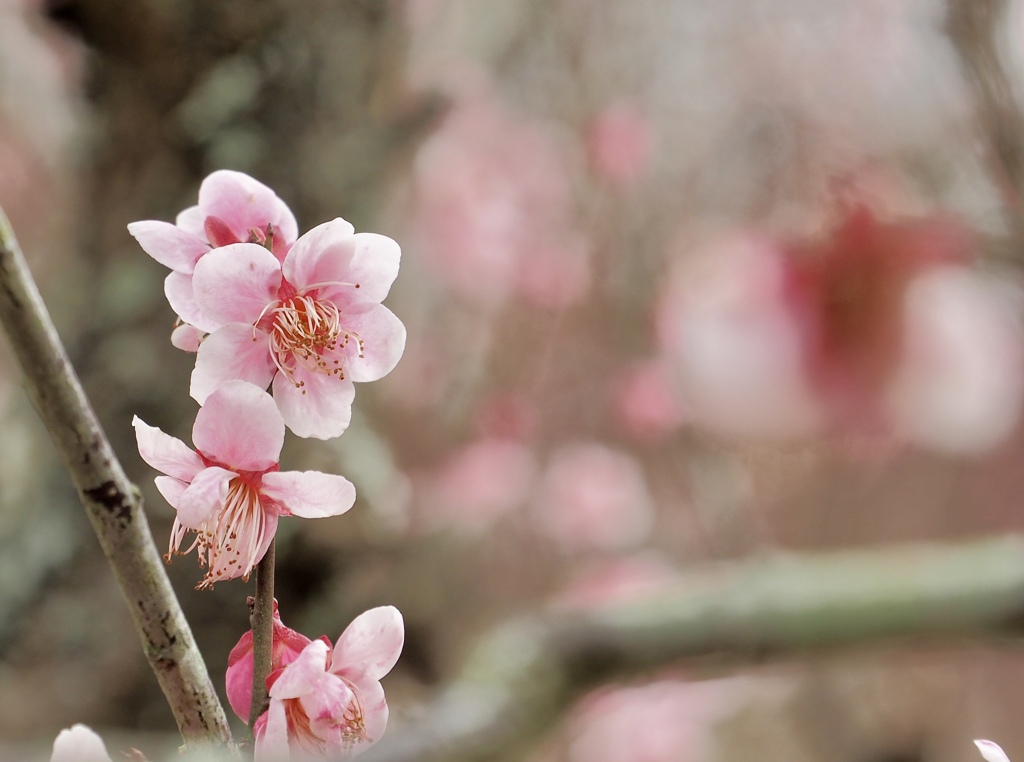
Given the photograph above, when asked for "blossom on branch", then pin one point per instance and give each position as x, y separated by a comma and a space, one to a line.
330, 702
229, 491
311, 324
232, 208
287, 644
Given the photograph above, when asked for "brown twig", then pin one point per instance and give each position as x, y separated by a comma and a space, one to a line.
262, 621
111, 501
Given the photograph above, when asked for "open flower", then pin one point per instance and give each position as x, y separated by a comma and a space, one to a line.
330, 702
312, 324
232, 208
286, 646
991, 752
230, 491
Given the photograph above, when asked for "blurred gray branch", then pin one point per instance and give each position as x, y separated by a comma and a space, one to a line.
111, 501
521, 679
973, 26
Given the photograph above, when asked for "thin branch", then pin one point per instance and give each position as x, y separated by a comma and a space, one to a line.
973, 27
522, 678
112, 503
261, 620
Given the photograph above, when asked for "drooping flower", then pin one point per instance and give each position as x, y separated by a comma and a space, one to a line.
79, 743
286, 646
330, 702
991, 751
230, 491
311, 324
232, 208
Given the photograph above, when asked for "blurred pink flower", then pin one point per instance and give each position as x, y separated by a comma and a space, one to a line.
480, 483
230, 491
876, 328
619, 143
232, 208
329, 703
492, 209
593, 497
79, 743
664, 721
991, 751
312, 324
287, 644
645, 402
618, 579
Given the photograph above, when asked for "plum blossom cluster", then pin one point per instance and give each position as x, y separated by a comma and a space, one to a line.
262, 306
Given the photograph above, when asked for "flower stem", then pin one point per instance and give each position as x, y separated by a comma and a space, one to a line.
261, 618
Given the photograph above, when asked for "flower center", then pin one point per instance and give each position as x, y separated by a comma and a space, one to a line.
306, 332
348, 728
230, 540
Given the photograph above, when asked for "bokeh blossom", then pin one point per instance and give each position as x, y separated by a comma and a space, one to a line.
878, 327
492, 210
229, 491
592, 497
286, 646
311, 324
330, 701
232, 208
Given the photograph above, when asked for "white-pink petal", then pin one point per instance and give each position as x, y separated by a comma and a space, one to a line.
205, 497
171, 489
375, 709
991, 751
181, 297
384, 339
192, 220
165, 453
374, 265
235, 283
272, 739
309, 494
370, 646
240, 427
243, 203
304, 674
321, 409
187, 337
79, 744
168, 244
234, 352
321, 255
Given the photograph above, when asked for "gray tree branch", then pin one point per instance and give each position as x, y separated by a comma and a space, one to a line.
111, 501
523, 677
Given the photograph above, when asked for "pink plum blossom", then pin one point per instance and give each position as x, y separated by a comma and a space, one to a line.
330, 702
287, 644
592, 497
991, 751
311, 324
232, 208
79, 743
229, 491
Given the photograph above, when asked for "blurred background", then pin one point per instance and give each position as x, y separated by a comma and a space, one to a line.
683, 282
